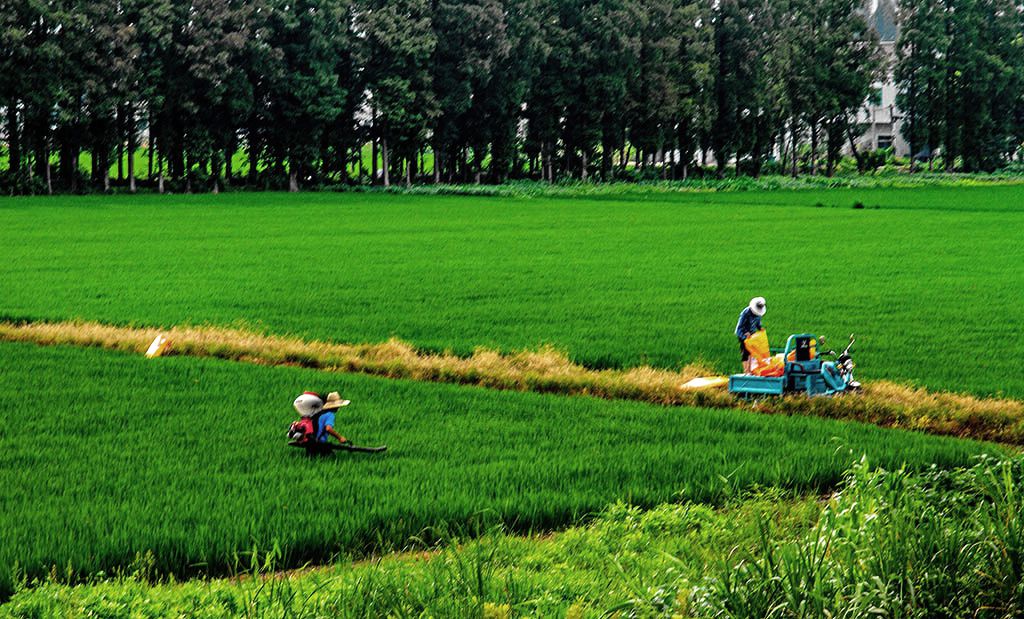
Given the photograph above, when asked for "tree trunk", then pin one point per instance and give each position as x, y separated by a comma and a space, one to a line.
49, 180
152, 142
229, 155
293, 178
795, 141
131, 162
385, 162
130, 135
373, 161
187, 167
607, 151
437, 165
583, 165
814, 148
254, 157
831, 148
76, 153
783, 147
215, 172
13, 139
94, 165
544, 161
856, 153
120, 130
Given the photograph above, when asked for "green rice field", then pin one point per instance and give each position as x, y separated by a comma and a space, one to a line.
109, 456
930, 279
110, 461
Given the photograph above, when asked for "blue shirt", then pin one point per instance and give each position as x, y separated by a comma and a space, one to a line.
749, 323
326, 419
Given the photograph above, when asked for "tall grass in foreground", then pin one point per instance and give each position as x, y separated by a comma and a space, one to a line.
887, 544
891, 544
624, 556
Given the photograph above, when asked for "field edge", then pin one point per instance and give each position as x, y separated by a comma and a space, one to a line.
548, 370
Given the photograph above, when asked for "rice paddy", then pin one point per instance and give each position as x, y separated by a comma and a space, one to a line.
185, 459
929, 281
113, 463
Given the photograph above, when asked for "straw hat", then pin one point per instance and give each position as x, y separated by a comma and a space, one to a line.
758, 306
334, 401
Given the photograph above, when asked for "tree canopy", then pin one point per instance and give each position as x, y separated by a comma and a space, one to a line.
344, 91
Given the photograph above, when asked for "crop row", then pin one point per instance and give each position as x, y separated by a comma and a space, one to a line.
929, 281
107, 457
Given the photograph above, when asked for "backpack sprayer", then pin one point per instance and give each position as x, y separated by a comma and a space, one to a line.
303, 433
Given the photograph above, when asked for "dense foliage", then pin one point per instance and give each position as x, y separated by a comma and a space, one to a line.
488, 89
618, 279
185, 459
960, 73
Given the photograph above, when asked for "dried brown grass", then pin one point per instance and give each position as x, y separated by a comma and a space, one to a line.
548, 371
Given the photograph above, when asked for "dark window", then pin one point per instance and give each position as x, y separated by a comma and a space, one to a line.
884, 141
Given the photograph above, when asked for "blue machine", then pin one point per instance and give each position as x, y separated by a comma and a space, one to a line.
805, 372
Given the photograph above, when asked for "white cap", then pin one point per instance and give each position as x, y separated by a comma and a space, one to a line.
758, 306
308, 404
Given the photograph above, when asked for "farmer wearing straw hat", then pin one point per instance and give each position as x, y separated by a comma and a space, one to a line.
749, 324
325, 424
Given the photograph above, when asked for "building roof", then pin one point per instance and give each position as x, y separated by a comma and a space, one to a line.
884, 21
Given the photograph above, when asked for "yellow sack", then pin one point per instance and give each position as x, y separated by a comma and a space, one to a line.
772, 366
706, 382
757, 345
158, 347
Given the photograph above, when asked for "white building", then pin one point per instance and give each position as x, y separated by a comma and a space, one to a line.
880, 117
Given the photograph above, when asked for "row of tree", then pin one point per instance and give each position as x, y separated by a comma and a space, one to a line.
960, 73
491, 89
